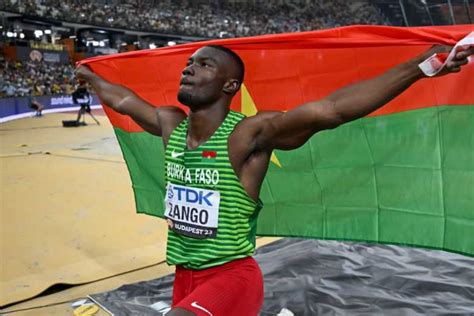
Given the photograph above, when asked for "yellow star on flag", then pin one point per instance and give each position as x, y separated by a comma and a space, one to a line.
248, 108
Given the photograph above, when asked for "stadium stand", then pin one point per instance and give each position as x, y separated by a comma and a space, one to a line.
206, 18
426, 12
19, 79
42, 39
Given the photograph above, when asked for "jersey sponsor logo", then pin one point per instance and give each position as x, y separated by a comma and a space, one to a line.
193, 212
196, 305
175, 154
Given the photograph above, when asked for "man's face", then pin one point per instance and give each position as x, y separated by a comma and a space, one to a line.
203, 78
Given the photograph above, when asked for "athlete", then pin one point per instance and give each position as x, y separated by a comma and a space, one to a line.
216, 160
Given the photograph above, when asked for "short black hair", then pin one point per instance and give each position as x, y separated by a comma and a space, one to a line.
236, 58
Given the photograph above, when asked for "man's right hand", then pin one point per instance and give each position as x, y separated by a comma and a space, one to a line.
83, 72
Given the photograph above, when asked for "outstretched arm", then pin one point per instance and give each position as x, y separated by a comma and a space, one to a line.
292, 129
157, 121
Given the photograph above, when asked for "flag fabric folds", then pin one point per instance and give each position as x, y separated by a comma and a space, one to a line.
404, 174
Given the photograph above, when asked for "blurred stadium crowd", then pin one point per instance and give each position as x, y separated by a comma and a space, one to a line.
206, 18
210, 19
111, 26
19, 79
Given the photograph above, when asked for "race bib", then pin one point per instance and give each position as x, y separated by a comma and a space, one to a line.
192, 212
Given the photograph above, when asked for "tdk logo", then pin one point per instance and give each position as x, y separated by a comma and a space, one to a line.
190, 195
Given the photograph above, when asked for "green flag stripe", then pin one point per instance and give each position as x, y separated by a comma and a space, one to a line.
405, 178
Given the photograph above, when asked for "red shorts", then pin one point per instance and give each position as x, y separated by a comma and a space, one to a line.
234, 288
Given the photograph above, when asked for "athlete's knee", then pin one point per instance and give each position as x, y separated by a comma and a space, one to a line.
178, 311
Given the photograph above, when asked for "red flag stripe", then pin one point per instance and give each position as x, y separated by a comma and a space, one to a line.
302, 67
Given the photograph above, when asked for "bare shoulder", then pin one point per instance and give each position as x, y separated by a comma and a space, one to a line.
255, 124
249, 160
171, 111
244, 138
169, 117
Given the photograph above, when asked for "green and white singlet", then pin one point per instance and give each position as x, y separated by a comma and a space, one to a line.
212, 220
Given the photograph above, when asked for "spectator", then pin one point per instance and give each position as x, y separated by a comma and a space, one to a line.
207, 18
211, 19
9, 89
38, 78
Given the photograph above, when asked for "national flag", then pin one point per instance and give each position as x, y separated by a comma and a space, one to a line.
208, 156
404, 174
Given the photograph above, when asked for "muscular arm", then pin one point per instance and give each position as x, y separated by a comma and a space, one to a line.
157, 121
292, 129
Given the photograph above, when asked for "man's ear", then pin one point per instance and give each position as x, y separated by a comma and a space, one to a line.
231, 86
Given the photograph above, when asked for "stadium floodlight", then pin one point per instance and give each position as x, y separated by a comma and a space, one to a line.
9, 34
22, 35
